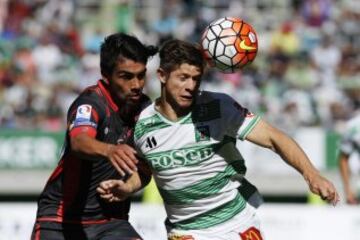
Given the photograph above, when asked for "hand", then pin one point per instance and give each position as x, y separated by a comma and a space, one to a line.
322, 187
123, 158
351, 198
114, 190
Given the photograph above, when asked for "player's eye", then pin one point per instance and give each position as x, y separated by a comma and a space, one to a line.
141, 75
183, 77
126, 76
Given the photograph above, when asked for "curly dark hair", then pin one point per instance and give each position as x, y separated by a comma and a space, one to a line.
121, 45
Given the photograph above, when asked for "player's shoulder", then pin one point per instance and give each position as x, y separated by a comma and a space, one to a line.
89, 98
353, 122
91, 94
223, 100
355, 119
208, 96
148, 118
148, 110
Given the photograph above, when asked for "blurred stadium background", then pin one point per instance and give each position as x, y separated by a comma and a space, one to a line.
305, 80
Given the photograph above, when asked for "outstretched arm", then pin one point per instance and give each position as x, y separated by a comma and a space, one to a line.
114, 190
268, 136
345, 176
119, 190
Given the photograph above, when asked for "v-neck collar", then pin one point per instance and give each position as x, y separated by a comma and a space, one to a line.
165, 119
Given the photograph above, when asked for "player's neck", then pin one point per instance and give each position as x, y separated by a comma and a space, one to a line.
170, 111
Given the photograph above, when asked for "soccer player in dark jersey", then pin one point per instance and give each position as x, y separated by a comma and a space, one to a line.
98, 141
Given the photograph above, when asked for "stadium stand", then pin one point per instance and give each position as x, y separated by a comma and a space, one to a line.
305, 78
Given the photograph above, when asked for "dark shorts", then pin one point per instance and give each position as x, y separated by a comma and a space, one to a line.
112, 230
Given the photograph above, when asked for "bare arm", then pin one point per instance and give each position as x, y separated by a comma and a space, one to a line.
118, 190
121, 156
345, 177
267, 136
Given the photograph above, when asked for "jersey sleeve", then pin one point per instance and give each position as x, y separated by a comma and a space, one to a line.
240, 121
84, 116
347, 145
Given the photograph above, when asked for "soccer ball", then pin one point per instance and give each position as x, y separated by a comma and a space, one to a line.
229, 44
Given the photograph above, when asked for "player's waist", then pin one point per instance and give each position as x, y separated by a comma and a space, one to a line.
82, 215
205, 213
221, 183
82, 221
238, 220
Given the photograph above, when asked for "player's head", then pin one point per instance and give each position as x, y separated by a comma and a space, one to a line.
180, 72
123, 61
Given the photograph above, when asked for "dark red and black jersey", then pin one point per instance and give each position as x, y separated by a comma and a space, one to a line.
70, 193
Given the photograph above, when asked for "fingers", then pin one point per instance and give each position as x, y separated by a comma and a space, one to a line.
106, 186
328, 193
129, 151
332, 198
111, 198
121, 167
109, 189
351, 201
123, 158
130, 158
101, 190
126, 162
107, 197
351, 198
325, 189
336, 199
116, 199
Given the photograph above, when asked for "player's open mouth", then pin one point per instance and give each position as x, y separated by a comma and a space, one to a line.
135, 96
187, 98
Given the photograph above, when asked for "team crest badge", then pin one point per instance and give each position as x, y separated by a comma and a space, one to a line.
83, 113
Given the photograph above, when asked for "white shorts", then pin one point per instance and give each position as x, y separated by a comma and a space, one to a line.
243, 226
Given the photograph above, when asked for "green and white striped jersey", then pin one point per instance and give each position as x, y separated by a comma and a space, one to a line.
195, 162
350, 142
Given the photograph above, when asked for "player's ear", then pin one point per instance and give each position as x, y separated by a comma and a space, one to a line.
162, 75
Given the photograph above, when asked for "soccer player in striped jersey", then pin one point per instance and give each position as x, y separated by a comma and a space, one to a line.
187, 137
350, 144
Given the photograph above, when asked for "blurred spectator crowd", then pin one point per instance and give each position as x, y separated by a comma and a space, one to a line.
307, 72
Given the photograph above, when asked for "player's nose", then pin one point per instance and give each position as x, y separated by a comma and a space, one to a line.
135, 84
190, 85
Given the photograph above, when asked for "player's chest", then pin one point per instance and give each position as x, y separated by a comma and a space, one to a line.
181, 145
114, 130
185, 135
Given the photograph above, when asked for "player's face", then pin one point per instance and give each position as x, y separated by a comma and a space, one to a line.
127, 80
181, 85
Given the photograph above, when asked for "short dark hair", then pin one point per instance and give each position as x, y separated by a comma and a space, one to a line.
118, 45
175, 52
